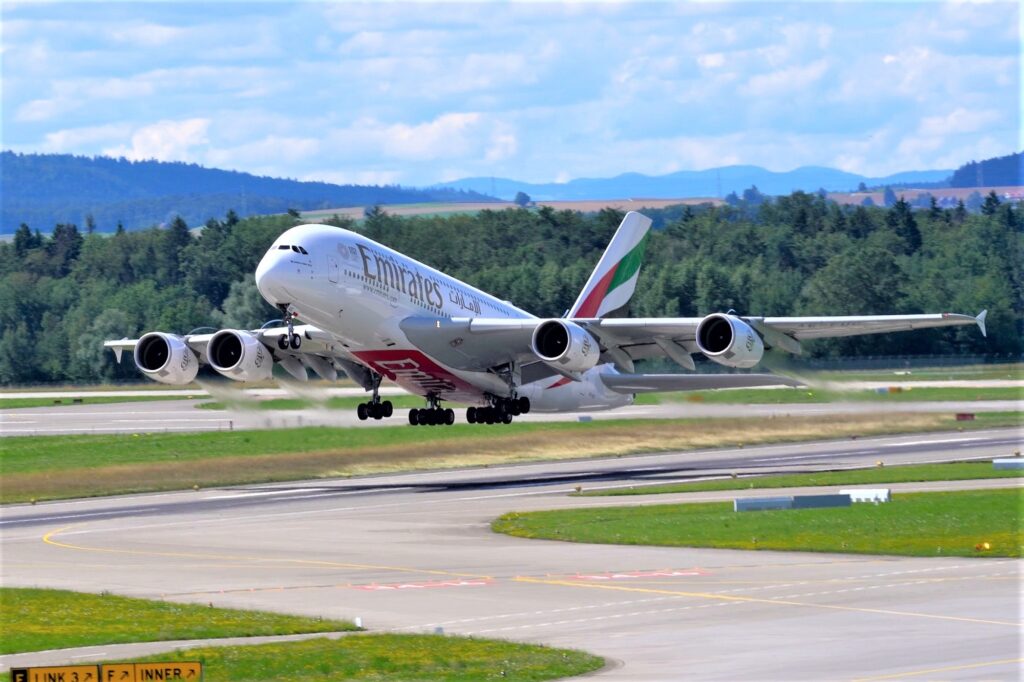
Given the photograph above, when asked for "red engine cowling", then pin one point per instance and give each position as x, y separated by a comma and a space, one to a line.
565, 345
239, 355
166, 358
729, 341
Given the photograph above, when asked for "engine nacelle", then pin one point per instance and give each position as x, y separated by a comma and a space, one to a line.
729, 341
166, 358
239, 355
565, 345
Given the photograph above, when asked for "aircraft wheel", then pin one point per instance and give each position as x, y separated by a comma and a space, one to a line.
282, 342
423, 417
449, 416
388, 408
295, 341
376, 410
413, 416
524, 405
506, 418
471, 415
489, 415
361, 412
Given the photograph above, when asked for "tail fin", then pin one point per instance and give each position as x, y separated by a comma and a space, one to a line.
613, 281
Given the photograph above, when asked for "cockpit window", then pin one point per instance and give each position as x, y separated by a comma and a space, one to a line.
293, 247
303, 251
283, 247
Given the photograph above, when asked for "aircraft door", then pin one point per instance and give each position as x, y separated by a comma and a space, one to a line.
332, 269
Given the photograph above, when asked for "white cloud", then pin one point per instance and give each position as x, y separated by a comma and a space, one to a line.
789, 79
164, 141
82, 139
146, 34
960, 120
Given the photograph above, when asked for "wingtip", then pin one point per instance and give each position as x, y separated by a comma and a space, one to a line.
980, 319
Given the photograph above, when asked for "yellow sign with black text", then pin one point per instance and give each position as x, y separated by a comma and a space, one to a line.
56, 673
169, 671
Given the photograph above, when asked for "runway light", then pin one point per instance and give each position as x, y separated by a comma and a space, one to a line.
879, 463
982, 547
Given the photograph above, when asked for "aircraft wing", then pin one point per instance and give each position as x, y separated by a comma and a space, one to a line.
319, 351
477, 344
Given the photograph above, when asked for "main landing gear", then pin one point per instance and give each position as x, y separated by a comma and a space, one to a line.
291, 339
435, 415
500, 411
375, 409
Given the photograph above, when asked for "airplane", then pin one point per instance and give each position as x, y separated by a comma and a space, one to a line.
353, 305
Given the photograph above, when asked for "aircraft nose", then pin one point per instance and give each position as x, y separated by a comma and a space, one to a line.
271, 275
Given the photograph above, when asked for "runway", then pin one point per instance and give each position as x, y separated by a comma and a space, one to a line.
413, 552
168, 416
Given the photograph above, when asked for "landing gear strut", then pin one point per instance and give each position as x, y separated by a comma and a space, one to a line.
375, 409
291, 339
434, 415
500, 411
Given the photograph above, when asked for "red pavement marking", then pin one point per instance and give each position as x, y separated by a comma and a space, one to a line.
426, 585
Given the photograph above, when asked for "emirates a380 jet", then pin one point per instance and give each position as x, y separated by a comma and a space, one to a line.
374, 313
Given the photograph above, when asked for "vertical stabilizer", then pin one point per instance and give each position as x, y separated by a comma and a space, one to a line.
613, 281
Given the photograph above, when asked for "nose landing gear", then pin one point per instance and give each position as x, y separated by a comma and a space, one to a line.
291, 339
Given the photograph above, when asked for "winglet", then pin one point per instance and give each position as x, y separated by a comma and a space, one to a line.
980, 319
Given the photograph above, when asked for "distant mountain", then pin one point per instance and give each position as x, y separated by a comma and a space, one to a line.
45, 189
1003, 171
714, 182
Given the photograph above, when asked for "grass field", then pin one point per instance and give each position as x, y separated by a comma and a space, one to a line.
51, 467
12, 403
36, 620
396, 658
912, 524
914, 473
781, 396
29, 620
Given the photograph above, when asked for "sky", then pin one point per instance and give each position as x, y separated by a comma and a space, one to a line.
419, 93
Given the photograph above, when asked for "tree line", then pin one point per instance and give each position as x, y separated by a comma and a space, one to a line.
63, 294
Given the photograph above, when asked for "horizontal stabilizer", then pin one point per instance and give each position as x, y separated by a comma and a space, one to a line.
653, 383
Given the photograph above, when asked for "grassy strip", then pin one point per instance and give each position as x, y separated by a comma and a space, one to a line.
13, 403
782, 396
51, 467
915, 524
397, 401
912, 473
387, 657
37, 619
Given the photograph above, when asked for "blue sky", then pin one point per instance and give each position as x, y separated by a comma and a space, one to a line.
416, 93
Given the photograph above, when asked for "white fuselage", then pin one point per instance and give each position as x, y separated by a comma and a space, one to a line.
359, 291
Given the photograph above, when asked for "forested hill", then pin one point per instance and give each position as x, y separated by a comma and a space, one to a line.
61, 295
1004, 171
42, 190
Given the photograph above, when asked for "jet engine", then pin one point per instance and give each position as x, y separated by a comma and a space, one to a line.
239, 355
166, 358
729, 341
565, 345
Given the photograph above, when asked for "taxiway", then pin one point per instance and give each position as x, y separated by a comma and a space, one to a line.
413, 552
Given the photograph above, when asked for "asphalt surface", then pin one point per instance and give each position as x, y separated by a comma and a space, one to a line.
165, 416
413, 552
